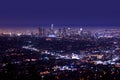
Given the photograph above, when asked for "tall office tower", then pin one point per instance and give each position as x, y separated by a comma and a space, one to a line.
44, 32
59, 32
41, 32
52, 25
51, 29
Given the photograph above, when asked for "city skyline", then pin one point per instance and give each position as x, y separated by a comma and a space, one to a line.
29, 29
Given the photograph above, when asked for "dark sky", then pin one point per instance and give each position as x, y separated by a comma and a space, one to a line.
59, 12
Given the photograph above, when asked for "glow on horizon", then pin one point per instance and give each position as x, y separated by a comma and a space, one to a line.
18, 30
26, 29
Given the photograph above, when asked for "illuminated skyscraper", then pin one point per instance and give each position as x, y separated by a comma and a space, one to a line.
51, 29
41, 32
52, 25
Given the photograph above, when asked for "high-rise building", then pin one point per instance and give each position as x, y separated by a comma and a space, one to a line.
41, 32
59, 32
51, 30
52, 25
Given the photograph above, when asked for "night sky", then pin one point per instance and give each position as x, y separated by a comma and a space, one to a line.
30, 13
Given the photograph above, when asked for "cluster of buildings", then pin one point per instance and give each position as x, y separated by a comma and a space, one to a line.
62, 32
66, 32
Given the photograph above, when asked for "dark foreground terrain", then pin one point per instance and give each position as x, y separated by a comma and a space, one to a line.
34, 58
